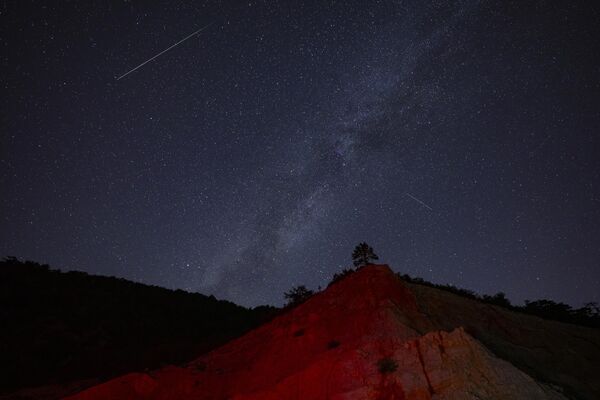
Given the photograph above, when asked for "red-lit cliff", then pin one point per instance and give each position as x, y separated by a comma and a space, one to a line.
371, 336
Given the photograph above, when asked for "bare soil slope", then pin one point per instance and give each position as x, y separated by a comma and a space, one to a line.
371, 336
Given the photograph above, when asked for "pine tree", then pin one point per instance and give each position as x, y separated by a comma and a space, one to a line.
363, 254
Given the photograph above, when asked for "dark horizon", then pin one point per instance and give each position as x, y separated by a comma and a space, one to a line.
340, 274
460, 141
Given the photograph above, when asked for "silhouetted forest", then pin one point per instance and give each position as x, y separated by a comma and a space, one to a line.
58, 327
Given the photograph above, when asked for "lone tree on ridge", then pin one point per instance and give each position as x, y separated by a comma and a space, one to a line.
363, 254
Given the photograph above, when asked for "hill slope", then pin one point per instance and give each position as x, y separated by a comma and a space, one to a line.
60, 327
563, 354
370, 336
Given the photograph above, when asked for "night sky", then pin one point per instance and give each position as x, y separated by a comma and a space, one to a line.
460, 140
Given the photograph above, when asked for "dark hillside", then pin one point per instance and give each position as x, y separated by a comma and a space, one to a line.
59, 327
372, 336
556, 353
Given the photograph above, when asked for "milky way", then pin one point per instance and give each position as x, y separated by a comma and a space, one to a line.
256, 155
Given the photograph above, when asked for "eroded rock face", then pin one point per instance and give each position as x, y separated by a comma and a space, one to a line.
362, 338
561, 354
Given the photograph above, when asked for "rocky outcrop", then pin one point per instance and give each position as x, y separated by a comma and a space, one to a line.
364, 337
560, 354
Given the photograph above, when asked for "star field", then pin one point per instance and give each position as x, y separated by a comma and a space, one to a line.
460, 140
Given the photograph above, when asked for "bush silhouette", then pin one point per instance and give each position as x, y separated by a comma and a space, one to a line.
338, 276
387, 365
498, 299
297, 295
299, 332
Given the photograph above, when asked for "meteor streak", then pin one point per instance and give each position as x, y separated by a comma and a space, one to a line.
419, 201
165, 50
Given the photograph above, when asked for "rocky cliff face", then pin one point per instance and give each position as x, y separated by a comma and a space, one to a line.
563, 355
369, 336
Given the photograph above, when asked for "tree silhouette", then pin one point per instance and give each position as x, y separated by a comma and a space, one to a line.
297, 295
363, 254
498, 299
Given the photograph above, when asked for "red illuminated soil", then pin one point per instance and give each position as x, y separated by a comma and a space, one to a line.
331, 346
